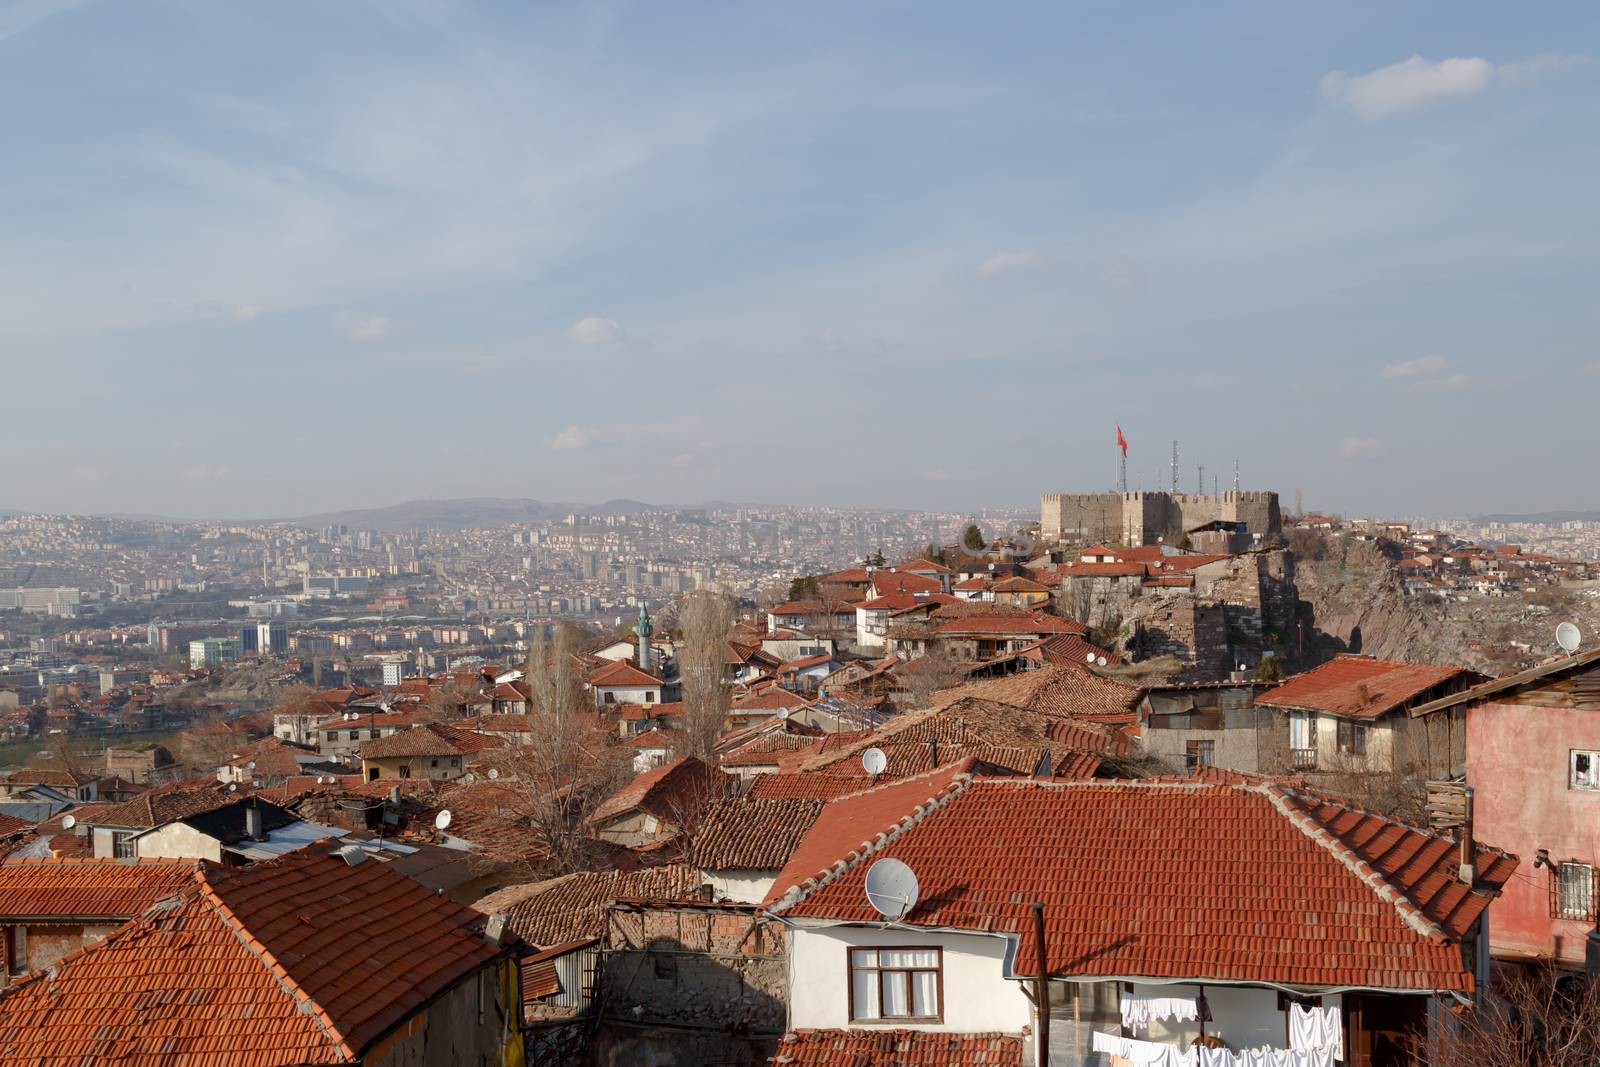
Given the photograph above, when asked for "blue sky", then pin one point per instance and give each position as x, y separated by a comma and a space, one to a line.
274, 258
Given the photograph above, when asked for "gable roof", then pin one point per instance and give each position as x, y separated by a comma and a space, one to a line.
1513, 683
558, 911
58, 889
152, 809
1066, 689
1359, 687
661, 791
621, 673
748, 834
302, 960
1239, 882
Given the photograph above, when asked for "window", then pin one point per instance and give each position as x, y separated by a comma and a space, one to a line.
1199, 754
1573, 892
894, 983
1585, 770
433, 763
1353, 738
122, 846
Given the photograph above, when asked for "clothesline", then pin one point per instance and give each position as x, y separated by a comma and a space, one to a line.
1156, 1054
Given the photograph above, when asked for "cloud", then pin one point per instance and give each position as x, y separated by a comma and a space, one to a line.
363, 327
1004, 261
205, 472
682, 435
1360, 448
1417, 368
246, 313
596, 331
1450, 383
571, 439
1417, 84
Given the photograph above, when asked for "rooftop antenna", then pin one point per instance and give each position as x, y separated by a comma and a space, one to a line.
892, 888
1569, 637
874, 762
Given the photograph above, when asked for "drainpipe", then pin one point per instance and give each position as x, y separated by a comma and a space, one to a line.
1041, 987
1467, 870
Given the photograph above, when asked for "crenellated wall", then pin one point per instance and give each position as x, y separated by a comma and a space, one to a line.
1143, 518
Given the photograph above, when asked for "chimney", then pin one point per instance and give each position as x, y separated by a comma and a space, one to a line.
933, 750
1467, 871
252, 822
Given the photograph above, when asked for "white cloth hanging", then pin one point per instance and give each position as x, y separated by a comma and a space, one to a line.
1311, 1029
1139, 1011
1144, 1053
1264, 1057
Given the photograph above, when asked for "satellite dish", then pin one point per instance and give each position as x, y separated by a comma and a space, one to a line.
494, 772
874, 762
1100, 661
233, 787
1088, 657
892, 888
441, 820
69, 822
1569, 637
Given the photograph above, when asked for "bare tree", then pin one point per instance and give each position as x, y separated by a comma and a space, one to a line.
452, 700
1533, 1016
707, 618
930, 672
572, 763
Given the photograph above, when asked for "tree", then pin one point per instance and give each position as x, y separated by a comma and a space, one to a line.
1532, 1016
972, 538
805, 588
1270, 669
706, 619
574, 761
928, 674
934, 554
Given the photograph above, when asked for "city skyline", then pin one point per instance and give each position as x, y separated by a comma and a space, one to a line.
273, 262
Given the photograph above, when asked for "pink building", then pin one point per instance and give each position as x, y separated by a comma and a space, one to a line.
1533, 762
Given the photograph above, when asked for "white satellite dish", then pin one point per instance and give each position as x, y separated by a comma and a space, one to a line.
1088, 657
441, 820
1569, 637
233, 787
892, 888
494, 772
69, 822
874, 762
1100, 661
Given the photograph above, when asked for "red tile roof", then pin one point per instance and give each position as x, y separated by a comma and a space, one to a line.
571, 908
983, 624
1358, 687
305, 960
1063, 689
59, 889
621, 673
1228, 882
157, 808
886, 582
803, 785
749, 834
663, 791
902, 1048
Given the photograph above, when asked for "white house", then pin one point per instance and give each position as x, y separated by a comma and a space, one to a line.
1333, 929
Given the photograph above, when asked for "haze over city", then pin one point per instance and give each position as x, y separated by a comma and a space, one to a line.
277, 259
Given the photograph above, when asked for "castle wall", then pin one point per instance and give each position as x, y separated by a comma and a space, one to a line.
1144, 518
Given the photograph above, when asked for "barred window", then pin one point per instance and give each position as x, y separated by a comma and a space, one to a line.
1573, 892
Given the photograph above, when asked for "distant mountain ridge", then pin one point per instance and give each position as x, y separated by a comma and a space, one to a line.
468, 512
1548, 518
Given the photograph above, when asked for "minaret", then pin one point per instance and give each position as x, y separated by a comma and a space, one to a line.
642, 629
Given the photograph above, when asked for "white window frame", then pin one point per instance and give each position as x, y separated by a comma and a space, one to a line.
1573, 878
874, 973
1591, 780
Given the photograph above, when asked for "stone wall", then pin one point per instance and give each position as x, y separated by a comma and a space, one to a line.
690, 983
1144, 518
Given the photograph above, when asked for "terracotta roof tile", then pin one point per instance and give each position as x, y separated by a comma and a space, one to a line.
1230, 882
1359, 687
572, 908
902, 1048
663, 790
157, 808
88, 888
622, 673
752, 834
305, 960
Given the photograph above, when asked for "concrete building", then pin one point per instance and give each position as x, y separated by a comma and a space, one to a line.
210, 651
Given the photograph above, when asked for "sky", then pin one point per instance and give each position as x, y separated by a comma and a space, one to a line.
269, 259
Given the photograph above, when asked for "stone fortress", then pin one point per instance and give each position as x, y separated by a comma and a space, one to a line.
1145, 518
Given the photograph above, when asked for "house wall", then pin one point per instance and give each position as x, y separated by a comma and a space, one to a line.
476, 1021
45, 944
178, 841
1518, 765
747, 886
419, 766
628, 694
976, 997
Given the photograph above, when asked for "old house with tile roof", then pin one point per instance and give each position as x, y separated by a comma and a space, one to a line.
52, 907
1349, 715
286, 963
658, 804
432, 750
744, 842
1145, 890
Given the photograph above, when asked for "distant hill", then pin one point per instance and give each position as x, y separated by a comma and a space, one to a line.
1549, 518
468, 512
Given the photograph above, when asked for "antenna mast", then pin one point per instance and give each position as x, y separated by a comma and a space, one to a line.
1235, 476
1174, 466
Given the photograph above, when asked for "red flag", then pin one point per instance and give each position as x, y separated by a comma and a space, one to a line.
1122, 443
